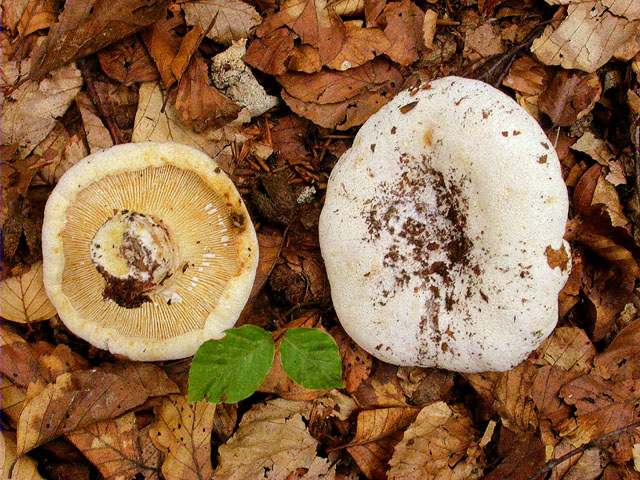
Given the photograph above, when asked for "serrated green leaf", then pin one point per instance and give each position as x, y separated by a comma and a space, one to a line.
232, 368
311, 358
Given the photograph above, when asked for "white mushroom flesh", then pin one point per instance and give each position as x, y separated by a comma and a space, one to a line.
442, 228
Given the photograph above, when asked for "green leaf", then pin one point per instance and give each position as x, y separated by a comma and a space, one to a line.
311, 358
232, 368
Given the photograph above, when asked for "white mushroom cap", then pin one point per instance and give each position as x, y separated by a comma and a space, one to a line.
442, 230
148, 250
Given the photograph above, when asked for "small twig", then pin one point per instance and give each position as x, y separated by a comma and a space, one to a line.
596, 441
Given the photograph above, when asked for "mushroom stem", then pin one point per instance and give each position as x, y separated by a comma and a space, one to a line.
134, 254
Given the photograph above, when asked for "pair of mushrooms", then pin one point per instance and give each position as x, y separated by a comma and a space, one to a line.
436, 232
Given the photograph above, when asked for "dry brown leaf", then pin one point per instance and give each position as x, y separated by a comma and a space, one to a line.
12, 11
117, 105
38, 15
483, 41
620, 360
98, 137
608, 290
128, 62
271, 442
12, 400
600, 407
80, 398
329, 87
527, 76
188, 47
379, 423
356, 363
606, 195
429, 28
404, 30
523, 456
314, 21
163, 45
182, 431
372, 458
343, 115
154, 124
589, 36
234, 19
289, 136
439, 444
200, 105
117, 448
381, 389
60, 151
361, 45
570, 294
30, 111
570, 96
595, 147
272, 53
85, 27
13, 467
23, 299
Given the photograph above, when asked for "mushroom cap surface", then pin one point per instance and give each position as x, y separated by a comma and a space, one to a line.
171, 226
442, 230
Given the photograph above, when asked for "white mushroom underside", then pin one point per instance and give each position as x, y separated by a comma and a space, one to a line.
214, 249
392, 230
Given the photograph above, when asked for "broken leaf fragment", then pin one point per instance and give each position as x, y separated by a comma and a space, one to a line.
232, 19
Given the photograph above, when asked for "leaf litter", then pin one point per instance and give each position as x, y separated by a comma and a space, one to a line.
87, 75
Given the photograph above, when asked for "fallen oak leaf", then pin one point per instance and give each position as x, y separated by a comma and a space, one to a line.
182, 431
30, 111
23, 298
84, 27
80, 398
438, 434
118, 449
232, 19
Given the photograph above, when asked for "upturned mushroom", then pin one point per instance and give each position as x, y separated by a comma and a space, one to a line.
148, 250
442, 230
